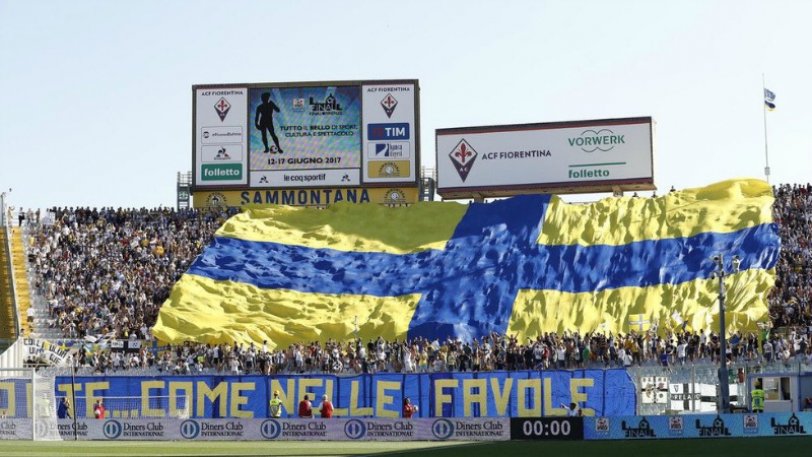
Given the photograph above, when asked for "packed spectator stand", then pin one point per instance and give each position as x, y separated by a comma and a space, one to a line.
792, 295
491, 353
105, 273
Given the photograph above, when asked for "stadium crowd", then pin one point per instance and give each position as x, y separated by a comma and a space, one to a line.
106, 272
792, 296
490, 353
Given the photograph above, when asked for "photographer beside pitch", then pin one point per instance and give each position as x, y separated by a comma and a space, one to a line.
275, 409
326, 408
408, 408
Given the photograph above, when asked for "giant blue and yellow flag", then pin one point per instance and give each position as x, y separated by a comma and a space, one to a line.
523, 266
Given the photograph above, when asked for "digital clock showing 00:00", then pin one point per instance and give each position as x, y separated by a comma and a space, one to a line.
547, 428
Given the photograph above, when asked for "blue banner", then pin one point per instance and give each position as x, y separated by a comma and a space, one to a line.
492, 394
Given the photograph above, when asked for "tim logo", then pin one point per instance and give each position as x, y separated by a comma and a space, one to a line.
222, 107
355, 429
717, 428
270, 429
112, 429
329, 106
792, 427
463, 157
389, 103
393, 131
189, 429
442, 429
643, 430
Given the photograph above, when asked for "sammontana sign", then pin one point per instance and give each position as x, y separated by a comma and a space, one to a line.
307, 197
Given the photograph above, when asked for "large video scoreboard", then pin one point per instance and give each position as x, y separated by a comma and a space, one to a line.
345, 134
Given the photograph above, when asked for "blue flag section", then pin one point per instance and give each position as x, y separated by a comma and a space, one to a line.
493, 394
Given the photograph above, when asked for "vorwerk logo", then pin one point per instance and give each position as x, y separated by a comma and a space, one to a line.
112, 429
355, 429
189, 429
442, 429
594, 140
270, 429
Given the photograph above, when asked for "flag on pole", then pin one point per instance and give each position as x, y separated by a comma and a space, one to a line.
639, 322
769, 99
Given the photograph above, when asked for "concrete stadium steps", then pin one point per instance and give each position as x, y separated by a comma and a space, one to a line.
8, 331
41, 325
19, 260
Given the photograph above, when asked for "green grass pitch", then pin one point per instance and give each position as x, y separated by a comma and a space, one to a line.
783, 447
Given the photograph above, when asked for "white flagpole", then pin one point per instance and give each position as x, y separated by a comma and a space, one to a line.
766, 148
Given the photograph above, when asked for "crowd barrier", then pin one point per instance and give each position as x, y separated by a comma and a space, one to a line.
440, 429
688, 426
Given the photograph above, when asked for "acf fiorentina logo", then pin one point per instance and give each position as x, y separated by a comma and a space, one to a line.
222, 107
463, 157
389, 103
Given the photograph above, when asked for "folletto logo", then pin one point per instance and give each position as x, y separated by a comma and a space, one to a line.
597, 140
112, 429
463, 157
221, 172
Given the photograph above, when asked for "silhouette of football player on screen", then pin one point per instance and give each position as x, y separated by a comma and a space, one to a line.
263, 120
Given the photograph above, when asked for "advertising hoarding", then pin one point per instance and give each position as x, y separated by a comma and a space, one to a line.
691, 426
697, 426
261, 429
306, 135
220, 136
562, 157
306, 197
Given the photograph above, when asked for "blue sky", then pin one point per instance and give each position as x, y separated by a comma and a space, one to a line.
97, 94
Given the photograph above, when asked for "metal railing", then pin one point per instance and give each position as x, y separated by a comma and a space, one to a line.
12, 289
